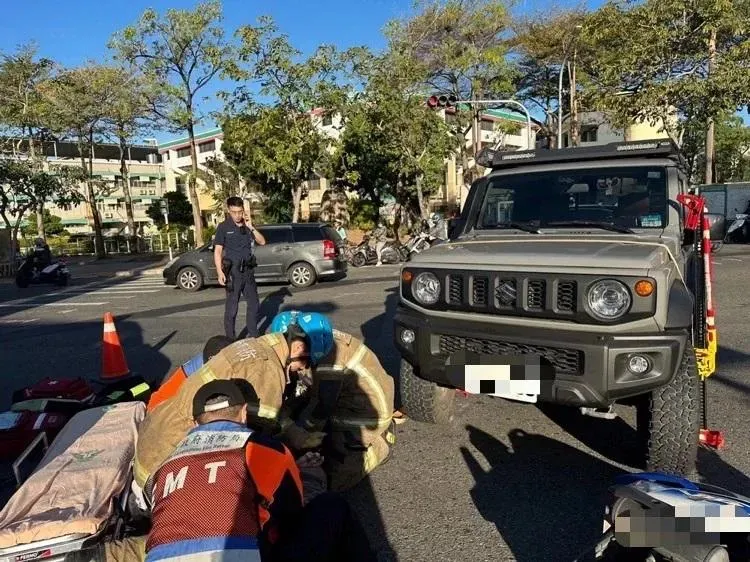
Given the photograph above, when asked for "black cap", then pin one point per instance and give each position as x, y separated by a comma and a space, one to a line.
227, 388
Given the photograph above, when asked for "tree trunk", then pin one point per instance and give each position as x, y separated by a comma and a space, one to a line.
40, 220
192, 190
296, 200
128, 198
710, 129
575, 133
420, 199
91, 196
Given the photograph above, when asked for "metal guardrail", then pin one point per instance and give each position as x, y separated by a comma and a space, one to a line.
156, 244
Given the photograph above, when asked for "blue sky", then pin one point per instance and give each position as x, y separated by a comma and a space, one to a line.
74, 32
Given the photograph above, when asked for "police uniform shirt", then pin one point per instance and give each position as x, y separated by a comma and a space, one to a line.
236, 240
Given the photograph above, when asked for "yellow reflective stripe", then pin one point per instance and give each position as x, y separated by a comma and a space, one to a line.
139, 389
263, 411
355, 365
140, 474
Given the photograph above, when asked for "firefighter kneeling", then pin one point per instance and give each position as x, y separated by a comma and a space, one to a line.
347, 395
311, 382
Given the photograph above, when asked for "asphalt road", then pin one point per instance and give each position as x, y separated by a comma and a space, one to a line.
505, 481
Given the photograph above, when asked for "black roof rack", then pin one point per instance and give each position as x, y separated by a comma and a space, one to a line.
657, 148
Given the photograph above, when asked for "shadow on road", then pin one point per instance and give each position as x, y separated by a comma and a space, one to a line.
612, 439
546, 498
75, 351
617, 441
377, 334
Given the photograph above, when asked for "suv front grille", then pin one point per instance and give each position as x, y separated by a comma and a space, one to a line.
565, 361
511, 294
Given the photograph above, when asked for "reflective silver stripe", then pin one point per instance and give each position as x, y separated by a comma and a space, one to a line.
214, 556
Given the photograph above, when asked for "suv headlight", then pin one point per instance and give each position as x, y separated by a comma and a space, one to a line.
608, 299
426, 288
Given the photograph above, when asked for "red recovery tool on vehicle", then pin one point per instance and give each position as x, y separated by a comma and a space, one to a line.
705, 335
19, 429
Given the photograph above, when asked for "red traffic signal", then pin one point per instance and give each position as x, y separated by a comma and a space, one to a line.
442, 101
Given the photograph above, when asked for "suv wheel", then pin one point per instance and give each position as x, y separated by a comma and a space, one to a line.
669, 421
302, 274
189, 279
424, 400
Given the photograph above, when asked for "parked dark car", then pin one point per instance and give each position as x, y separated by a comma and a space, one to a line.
299, 253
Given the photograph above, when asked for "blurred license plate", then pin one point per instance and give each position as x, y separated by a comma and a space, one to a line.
504, 381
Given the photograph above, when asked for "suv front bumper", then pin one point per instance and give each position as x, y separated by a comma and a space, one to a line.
590, 368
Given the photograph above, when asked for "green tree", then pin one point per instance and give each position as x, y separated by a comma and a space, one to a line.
52, 225
23, 186
679, 63
129, 116
548, 44
732, 150
277, 146
393, 144
183, 51
23, 110
459, 48
180, 212
80, 99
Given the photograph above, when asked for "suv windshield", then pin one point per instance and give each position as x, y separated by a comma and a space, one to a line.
616, 199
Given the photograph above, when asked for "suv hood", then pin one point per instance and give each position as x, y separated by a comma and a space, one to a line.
632, 253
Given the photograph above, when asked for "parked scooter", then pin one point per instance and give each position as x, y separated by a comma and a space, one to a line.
32, 271
738, 231
364, 253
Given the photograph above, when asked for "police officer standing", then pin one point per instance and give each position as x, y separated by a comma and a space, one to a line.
235, 263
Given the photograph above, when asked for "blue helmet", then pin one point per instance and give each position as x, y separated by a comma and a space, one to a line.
314, 326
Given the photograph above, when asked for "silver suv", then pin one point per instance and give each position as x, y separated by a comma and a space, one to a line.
571, 280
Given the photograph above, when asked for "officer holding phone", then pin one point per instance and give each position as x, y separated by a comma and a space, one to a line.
235, 264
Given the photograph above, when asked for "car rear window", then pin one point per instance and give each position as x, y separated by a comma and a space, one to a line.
330, 234
307, 234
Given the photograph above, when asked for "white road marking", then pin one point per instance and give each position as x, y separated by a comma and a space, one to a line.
27, 321
32, 305
732, 259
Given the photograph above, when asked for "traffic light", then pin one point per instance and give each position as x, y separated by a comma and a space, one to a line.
442, 101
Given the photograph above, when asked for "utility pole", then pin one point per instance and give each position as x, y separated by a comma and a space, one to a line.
710, 128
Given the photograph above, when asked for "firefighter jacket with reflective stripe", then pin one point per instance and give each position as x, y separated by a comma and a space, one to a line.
220, 496
260, 361
352, 397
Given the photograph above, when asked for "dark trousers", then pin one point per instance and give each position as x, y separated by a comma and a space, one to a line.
327, 531
242, 283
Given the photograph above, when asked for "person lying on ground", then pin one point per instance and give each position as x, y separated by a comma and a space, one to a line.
354, 402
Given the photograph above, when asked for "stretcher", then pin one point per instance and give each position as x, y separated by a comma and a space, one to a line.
77, 495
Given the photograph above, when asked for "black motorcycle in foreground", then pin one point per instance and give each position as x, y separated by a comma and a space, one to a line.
32, 271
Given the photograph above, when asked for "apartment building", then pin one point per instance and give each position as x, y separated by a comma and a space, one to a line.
175, 155
595, 129
146, 176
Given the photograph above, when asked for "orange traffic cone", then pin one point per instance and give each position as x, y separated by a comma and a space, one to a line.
114, 365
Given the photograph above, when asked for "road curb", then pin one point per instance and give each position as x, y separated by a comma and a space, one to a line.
121, 273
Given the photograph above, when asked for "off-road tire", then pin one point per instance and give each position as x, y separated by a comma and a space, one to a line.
423, 400
669, 421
